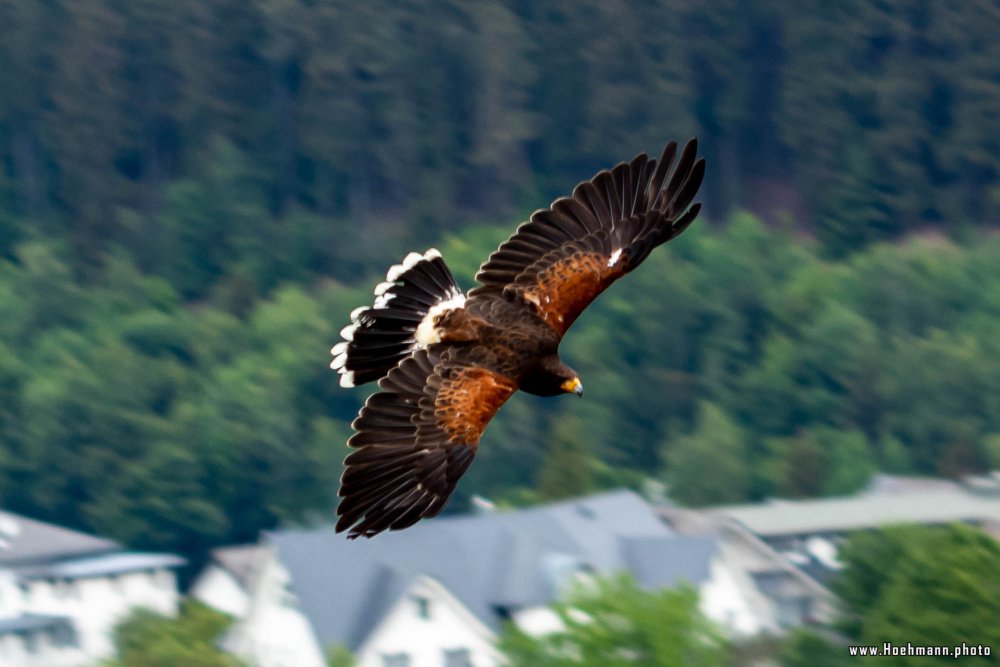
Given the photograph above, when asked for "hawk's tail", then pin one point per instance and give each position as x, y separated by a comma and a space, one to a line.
381, 335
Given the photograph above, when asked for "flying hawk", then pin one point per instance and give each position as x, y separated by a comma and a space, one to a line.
446, 361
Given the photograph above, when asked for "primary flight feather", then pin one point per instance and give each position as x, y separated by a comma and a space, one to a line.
447, 361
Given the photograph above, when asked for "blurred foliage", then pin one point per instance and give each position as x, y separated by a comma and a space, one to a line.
612, 622
708, 466
194, 195
806, 647
919, 585
147, 639
123, 124
951, 575
339, 656
948, 572
923, 585
737, 362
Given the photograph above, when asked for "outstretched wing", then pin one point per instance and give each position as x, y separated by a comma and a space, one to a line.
564, 256
414, 440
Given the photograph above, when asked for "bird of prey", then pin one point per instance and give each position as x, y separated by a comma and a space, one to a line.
446, 361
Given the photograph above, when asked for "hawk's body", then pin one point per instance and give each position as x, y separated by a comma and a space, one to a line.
446, 362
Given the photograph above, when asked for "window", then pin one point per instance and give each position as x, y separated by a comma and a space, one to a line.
423, 606
792, 611
286, 596
457, 657
64, 636
503, 612
65, 588
396, 660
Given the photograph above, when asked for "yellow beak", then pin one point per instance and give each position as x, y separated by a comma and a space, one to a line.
573, 386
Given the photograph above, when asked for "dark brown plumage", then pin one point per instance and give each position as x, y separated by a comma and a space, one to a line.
447, 362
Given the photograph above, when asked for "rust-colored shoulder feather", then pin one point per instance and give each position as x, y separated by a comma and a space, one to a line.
565, 256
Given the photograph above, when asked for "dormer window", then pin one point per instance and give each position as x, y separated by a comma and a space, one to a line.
459, 657
30, 642
423, 607
396, 660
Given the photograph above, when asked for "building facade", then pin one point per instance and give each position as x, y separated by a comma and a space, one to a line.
62, 592
438, 595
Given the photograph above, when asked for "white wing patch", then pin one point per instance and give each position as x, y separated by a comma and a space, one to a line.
339, 353
615, 256
427, 333
396, 270
382, 300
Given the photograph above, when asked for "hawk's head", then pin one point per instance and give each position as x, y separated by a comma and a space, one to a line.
552, 377
573, 386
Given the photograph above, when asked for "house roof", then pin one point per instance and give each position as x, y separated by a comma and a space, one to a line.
240, 561
883, 483
24, 540
499, 560
835, 515
690, 559
100, 565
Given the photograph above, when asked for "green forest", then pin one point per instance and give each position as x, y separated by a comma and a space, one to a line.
193, 196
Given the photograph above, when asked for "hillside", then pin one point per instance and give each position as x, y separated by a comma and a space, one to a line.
194, 195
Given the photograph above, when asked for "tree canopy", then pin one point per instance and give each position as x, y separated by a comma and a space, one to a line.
185, 224
148, 639
925, 586
612, 622
121, 125
947, 573
173, 424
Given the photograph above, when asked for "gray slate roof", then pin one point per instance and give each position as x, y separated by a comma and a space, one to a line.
100, 565
836, 515
503, 560
24, 540
37, 550
240, 561
690, 557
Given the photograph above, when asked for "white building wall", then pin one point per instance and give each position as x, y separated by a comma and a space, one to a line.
95, 606
9, 594
98, 604
219, 589
274, 633
723, 600
538, 621
448, 626
14, 652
